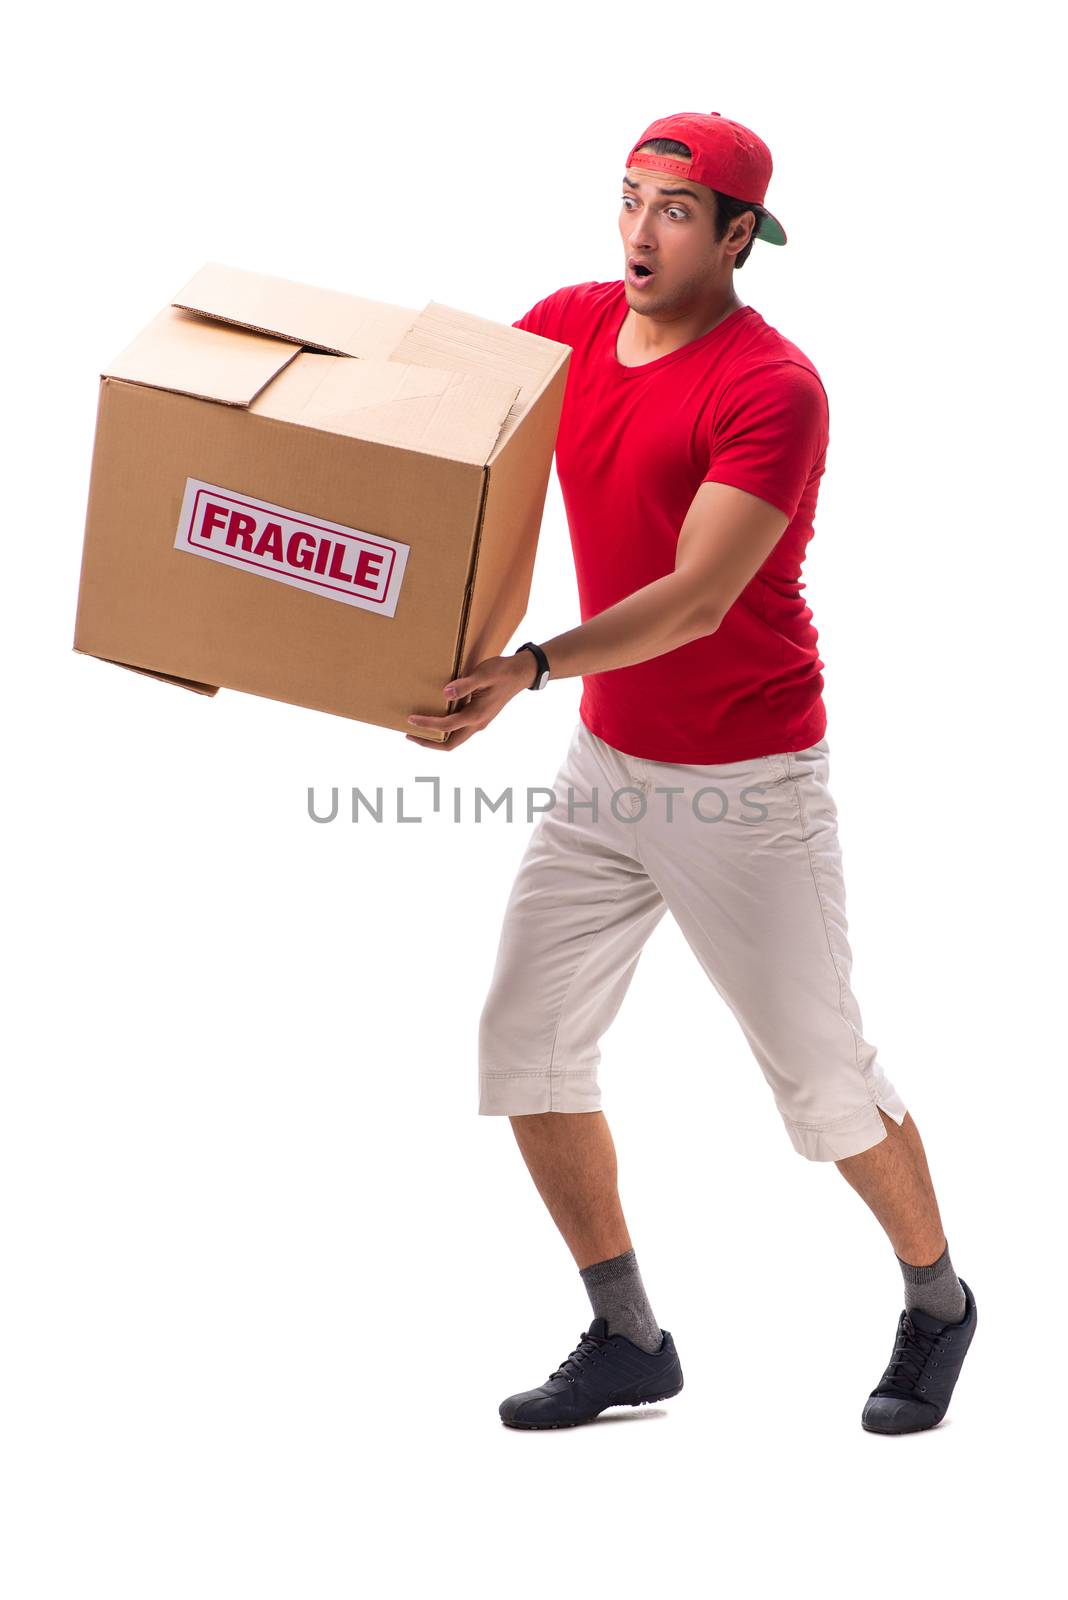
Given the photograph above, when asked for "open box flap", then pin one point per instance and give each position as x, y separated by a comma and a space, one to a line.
456, 415
322, 319
193, 355
441, 336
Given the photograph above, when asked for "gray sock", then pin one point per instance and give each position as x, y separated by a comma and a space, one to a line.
616, 1293
935, 1289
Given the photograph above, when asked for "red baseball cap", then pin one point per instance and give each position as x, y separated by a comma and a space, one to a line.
726, 156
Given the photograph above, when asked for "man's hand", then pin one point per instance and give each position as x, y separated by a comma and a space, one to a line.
486, 689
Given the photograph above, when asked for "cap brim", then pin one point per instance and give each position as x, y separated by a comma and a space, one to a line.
771, 229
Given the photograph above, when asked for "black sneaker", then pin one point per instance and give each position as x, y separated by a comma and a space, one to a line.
605, 1369
914, 1391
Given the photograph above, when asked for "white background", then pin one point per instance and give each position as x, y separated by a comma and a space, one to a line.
265, 1272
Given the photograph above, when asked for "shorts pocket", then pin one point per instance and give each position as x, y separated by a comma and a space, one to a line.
776, 768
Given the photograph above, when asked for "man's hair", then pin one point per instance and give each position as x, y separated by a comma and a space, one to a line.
727, 207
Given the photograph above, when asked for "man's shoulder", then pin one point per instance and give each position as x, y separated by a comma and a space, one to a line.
767, 352
771, 384
567, 310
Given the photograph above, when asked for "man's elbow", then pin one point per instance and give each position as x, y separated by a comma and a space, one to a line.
702, 614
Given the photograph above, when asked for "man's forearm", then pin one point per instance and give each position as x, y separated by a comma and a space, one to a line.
649, 622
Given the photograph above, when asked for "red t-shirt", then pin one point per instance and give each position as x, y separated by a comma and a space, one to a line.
741, 405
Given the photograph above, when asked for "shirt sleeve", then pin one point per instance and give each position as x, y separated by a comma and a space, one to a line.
547, 316
769, 430
532, 321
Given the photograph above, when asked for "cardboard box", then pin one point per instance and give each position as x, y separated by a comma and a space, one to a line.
316, 498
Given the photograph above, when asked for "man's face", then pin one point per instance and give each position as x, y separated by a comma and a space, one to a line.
672, 234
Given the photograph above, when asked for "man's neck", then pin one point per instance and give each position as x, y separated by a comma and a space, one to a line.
644, 338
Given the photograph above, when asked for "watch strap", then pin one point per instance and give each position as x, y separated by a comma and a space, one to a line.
542, 659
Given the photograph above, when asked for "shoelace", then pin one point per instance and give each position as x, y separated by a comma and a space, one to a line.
912, 1349
587, 1348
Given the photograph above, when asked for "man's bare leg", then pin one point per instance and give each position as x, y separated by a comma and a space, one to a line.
893, 1178
895, 1182
572, 1159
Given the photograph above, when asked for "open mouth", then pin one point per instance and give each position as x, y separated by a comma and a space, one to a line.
638, 272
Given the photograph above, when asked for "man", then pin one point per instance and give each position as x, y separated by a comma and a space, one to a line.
691, 444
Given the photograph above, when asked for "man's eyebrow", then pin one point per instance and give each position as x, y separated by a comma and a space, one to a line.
632, 185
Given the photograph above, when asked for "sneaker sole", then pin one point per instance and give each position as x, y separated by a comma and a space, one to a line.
894, 1433
648, 1400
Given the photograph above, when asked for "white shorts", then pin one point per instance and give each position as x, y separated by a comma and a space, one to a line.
745, 855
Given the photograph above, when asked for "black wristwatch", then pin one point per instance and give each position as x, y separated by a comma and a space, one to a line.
543, 664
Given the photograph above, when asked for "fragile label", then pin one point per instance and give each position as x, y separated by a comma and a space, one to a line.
325, 558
